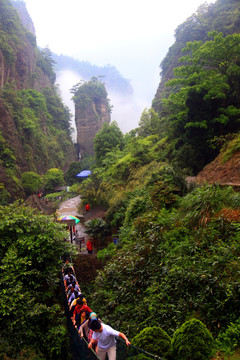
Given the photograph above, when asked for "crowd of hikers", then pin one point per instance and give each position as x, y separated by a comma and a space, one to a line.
99, 336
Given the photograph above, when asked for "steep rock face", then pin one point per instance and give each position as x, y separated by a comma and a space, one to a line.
34, 124
24, 70
20, 6
89, 119
92, 110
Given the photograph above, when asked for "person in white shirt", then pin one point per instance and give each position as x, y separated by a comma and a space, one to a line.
105, 336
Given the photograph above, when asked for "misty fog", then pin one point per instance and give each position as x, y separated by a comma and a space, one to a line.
126, 110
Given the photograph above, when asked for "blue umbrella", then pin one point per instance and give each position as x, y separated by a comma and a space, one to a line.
84, 173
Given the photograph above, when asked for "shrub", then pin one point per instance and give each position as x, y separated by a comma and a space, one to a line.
31, 182
107, 252
153, 340
229, 340
192, 341
53, 177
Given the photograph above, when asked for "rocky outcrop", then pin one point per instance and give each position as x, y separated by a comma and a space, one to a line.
92, 110
89, 120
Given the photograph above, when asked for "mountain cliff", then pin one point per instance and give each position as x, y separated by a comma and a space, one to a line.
34, 123
92, 110
222, 16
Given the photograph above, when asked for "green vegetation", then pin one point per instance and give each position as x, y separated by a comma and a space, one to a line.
178, 252
201, 102
109, 138
153, 340
53, 177
31, 181
228, 341
93, 91
192, 341
74, 169
177, 256
30, 251
177, 259
43, 126
96, 229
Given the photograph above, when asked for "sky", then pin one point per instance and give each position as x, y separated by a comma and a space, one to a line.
132, 35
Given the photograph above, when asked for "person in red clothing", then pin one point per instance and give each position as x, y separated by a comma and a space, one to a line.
89, 247
87, 207
77, 311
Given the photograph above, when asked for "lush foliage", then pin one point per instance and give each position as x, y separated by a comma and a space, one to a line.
228, 341
221, 16
53, 177
192, 341
30, 251
96, 228
31, 181
153, 340
175, 263
108, 139
178, 251
204, 102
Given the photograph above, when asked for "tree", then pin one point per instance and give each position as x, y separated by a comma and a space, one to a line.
108, 138
31, 182
96, 228
53, 177
149, 123
205, 100
74, 169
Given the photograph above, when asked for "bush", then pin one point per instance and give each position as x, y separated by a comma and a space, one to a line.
153, 340
106, 253
31, 182
192, 341
53, 177
229, 340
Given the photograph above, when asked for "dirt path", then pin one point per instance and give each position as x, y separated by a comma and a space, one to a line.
70, 207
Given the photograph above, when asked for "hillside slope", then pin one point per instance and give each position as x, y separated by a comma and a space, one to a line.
224, 174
